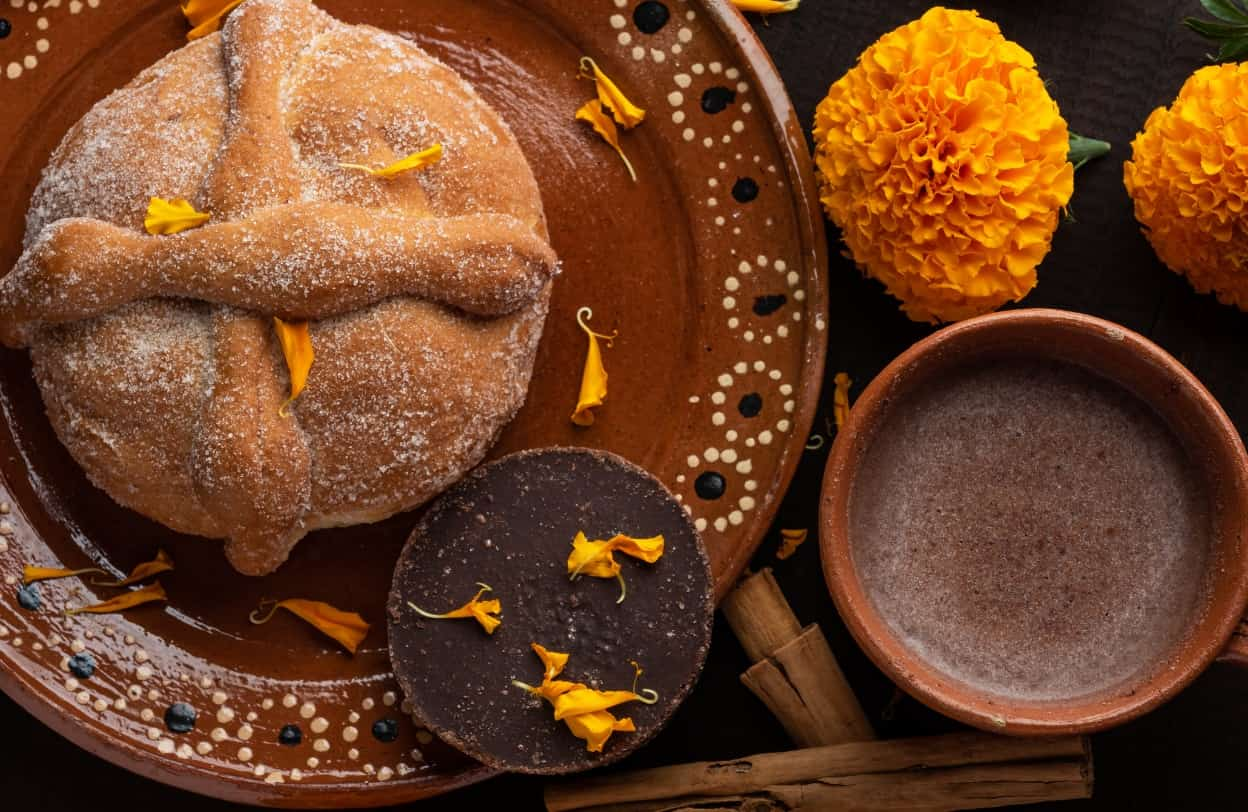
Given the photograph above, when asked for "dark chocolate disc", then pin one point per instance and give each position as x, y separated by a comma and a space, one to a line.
510, 524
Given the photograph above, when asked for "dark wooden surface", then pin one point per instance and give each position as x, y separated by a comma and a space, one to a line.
1108, 63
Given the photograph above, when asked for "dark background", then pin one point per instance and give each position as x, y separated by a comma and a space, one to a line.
1108, 63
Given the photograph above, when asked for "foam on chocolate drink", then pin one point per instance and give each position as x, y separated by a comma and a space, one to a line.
510, 524
1033, 530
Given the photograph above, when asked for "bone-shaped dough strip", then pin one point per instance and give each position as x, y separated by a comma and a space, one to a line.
298, 261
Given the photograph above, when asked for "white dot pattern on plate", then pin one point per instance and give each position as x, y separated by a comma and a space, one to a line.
749, 403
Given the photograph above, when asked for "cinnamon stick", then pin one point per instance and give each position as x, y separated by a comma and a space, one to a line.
795, 673
759, 615
958, 771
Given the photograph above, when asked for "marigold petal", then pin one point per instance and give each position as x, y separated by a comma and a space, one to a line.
205, 15
417, 160
592, 558
593, 113
594, 375
625, 113
172, 216
596, 728
767, 6
790, 540
296, 343
587, 700
127, 600
649, 550
554, 661
347, 628
840, 398
32, 574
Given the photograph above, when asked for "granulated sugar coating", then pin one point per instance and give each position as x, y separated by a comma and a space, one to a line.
426, 293
1032, 530
510, 524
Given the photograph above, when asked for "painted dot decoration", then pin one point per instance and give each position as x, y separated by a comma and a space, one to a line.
180, 718
766, 305
716, 99
650, 16
385, 730
28, 598
745, 190
82, 665
132, 688
6, 28
750, 405
710, 485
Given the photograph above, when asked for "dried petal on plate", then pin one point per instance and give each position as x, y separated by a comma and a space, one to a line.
205, 16
161, 563
840, 398
594, 375
592, 112
484, 612
128, 600
172, 215
417, 160
296, 344
625, 113
790, 540
348, 628
31, 574
597, 558
766, 6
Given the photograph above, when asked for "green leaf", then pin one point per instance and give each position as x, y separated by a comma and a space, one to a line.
1228, 10
1233, 50
1213, 30
1084, 149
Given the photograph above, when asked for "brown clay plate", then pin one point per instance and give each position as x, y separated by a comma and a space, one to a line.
710, 267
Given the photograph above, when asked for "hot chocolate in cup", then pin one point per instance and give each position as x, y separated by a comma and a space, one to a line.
1035, 522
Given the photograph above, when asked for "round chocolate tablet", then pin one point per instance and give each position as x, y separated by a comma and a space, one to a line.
510, 524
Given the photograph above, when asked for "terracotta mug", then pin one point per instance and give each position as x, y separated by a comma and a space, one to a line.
1146, 371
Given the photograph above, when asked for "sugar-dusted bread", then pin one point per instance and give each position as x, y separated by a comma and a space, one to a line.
427, 292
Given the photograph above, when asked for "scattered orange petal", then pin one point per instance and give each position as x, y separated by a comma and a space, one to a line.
128, 600
205, 15
594, 375
593, 113
348, 628
296, 344
840, 398
790, 540
484, 612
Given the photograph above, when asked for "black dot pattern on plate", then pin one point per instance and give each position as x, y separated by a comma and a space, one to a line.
766, 305
385, 730
650, 16
716, 99
745, 190
180, 718
710, 485
290, 735
28, 598
750, 405
6, 28
82, 665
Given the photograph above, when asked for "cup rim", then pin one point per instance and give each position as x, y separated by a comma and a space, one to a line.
939, 690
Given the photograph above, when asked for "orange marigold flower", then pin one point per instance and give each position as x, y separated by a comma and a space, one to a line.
1188, 176
943, 159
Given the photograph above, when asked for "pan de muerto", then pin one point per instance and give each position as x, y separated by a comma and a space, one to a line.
425, 292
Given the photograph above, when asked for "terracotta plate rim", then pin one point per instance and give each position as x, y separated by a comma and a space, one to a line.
740, 40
